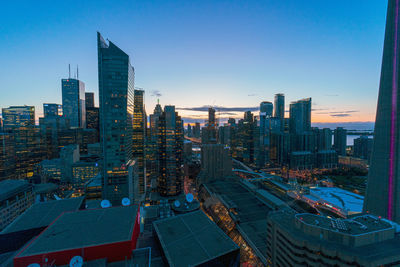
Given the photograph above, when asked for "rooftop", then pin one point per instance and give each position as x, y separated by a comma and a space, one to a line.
85, 228
9, 188
42, 214
191, 239
357, 225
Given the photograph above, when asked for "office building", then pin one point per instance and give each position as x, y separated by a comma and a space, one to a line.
209, 133
340, 141
279, 106
170, 152
139, 138
300, 116
89, 99
312, 240
18, 116
73, 102
93, 120
266, 109
7, 156
15, 197
196, 130
362, 147
52, 110
216, 162
116, 91
382, 196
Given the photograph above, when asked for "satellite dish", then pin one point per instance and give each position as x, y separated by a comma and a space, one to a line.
34, 265
126, 201
177, 203
76, 261
105, 203
189, 198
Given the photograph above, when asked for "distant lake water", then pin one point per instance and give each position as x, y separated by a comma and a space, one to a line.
350, 139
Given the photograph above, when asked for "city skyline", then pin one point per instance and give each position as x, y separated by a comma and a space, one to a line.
191, 61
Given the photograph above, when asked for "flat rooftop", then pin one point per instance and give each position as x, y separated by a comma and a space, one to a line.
191, 239
250, 211
42, 214
339, 198
357, 225
85, 228
9, 188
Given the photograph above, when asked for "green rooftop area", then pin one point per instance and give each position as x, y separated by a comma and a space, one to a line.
191, 239
8, 188
85, 228
42, 214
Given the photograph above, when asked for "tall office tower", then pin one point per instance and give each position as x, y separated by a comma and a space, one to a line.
300, 116
216, 162
52, 110
89, 99
73, 102
362, 147
7, 156
18, 116
196, 130
209, 133
189, 130
322, 139
211, 117
279, 106
340, 141
383, 185
93, 120
139, 138
170, 152
116, 91
266, 109
1, 124
248, 138
152, 148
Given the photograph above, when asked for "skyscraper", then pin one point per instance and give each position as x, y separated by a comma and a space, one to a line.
139, 136
170, 152
116, 91
73, 102
89, 99
279, 106
52, 110
383, 187
340, 141
300, 116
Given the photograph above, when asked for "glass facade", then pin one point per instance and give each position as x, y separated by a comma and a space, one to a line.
18, 116
73, 102
116, 98
139, 135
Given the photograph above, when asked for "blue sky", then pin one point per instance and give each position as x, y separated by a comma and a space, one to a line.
196, 53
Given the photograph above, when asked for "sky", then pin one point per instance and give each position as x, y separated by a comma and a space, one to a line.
200, 53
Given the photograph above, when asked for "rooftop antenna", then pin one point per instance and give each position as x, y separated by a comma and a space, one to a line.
77, 72
158, 101
69, 71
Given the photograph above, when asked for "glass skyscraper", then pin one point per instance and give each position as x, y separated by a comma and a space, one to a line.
18, 116
73, 102
116, 98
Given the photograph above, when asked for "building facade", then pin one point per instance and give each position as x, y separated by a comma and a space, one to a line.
73, 102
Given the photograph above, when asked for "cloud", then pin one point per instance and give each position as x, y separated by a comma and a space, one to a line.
219, 109
334, 113
156, 93
340, 115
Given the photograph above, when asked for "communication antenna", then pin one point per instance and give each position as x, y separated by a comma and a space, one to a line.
125, 201
189, 198
76, 261
77, 72
177, 203
105, 204
69, 71
34, 265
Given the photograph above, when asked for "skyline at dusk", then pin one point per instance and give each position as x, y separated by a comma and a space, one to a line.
228, 55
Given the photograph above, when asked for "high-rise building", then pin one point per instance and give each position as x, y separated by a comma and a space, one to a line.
18, 116
93, 119
383, 185
300, 116
52, 110
170, 152
209, 133
116, 91
73, 102
139, 138
279, 106
340, 141
362, 147
196, 130
7, 156
89, 99
152, 148
322, 139
216, 162
266, 109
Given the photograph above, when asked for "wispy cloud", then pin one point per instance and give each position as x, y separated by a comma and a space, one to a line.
156, 93
219, 109
341, 115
